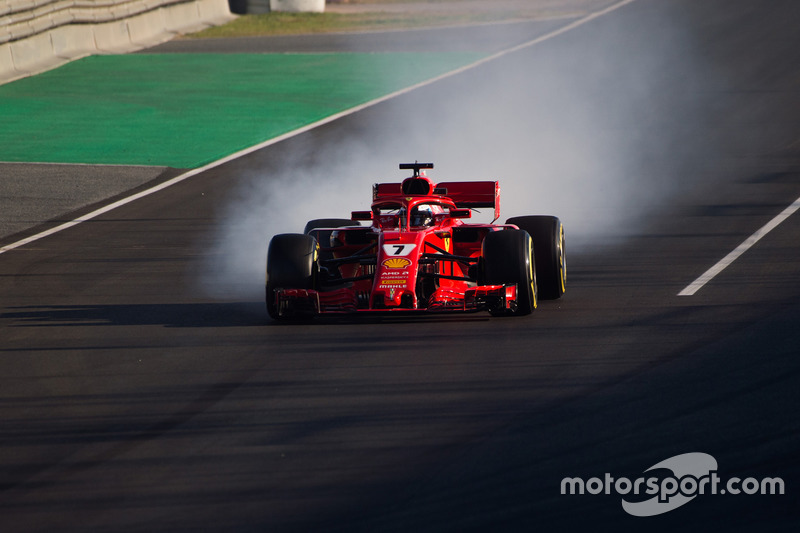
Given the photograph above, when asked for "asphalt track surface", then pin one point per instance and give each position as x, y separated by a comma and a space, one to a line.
130, 402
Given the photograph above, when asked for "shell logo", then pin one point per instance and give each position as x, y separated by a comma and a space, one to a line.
396, 262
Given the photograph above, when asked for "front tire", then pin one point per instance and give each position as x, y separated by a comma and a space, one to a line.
508, 259
292, 263
550, 248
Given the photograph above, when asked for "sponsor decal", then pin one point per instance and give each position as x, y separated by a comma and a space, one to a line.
690, 475
390, 283
396, 262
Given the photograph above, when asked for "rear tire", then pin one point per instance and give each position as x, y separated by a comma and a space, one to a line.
508, 259
324, 237
330, 223
549, 246
292, 263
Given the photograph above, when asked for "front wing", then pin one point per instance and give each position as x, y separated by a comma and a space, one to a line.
305, 302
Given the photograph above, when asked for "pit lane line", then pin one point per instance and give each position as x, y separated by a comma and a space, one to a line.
723, 263
304, 129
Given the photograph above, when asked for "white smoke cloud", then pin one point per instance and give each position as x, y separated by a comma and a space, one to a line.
582, 126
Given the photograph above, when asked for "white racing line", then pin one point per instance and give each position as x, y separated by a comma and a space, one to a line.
723, 263
246, 151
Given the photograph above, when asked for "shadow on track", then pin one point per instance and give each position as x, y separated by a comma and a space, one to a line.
179, 315
204, 315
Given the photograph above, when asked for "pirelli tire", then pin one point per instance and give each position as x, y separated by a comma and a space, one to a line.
292, 263
550, 248
508, 259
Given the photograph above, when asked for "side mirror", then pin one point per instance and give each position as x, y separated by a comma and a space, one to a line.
361, 215
460, 213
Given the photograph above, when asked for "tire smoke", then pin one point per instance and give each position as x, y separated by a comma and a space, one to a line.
588, 126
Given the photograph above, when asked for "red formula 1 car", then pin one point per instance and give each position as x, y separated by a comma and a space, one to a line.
419, 255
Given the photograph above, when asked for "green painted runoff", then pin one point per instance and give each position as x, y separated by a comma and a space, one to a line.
186, 110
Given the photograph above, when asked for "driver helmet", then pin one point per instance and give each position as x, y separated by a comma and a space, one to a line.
422, 215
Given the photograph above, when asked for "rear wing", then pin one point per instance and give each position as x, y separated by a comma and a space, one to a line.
465, 194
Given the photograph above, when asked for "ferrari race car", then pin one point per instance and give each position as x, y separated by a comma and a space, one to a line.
418, 254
